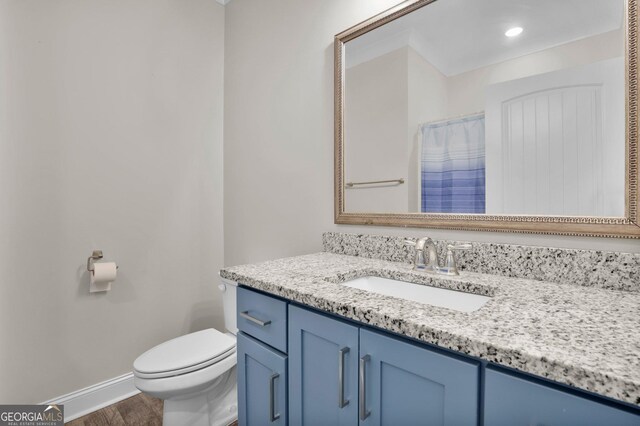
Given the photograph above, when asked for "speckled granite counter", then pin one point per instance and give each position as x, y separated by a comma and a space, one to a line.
581, 336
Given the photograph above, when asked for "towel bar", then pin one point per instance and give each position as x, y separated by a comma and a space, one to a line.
398, 181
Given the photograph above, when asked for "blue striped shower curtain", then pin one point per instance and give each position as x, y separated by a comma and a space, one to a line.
453, 166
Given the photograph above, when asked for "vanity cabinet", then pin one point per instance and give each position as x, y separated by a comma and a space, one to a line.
404, 382
262, 384
341, 374
511, 399
323, 370
337, 372
262, 360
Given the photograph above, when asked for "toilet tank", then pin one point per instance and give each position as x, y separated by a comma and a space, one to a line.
228, 289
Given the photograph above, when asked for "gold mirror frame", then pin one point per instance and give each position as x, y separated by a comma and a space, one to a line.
617, 227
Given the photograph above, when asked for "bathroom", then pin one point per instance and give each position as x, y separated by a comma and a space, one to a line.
182, 138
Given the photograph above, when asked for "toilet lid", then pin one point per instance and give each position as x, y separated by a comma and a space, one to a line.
182, 353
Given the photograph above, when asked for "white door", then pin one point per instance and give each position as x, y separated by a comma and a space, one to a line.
555, 143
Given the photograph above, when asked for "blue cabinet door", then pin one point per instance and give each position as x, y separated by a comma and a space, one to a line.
405, 384
513, 401
262, 384
323, 370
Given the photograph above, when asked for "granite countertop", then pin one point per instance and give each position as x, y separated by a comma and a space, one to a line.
584, 337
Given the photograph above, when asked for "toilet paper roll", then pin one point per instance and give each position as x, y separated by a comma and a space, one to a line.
104, 273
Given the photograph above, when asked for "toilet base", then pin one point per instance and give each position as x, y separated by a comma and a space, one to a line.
215, 406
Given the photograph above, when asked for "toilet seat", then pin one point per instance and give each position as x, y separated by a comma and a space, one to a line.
171, 373
184, 385
185, 354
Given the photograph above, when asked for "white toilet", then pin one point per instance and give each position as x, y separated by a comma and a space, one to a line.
195, 374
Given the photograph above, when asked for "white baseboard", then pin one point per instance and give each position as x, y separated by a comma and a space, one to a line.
92, 398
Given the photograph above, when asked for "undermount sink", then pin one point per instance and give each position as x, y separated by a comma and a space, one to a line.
452, 299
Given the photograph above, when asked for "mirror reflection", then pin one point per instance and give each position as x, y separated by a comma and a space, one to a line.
488, 107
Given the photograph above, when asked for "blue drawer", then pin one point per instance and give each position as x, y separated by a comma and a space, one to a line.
512, 401
263, 317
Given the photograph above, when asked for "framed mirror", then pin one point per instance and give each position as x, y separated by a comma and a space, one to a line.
495, 115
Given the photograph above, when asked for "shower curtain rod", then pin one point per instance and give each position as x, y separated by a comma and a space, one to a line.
458, 117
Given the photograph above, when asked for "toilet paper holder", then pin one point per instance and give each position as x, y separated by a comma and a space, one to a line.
96, 255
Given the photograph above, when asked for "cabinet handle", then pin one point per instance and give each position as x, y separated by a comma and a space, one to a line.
363, 388
254, 320
341, 401
273, 416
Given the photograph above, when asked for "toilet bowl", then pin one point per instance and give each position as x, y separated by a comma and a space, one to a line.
195, 374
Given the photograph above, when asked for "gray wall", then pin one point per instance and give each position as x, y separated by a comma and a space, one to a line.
279, 132
110, 138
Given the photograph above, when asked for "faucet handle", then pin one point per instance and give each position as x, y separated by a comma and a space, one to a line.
451, 268
419, 262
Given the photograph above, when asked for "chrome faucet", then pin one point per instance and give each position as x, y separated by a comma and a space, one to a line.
429, 262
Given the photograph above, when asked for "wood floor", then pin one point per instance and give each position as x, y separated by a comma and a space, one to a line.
139, 410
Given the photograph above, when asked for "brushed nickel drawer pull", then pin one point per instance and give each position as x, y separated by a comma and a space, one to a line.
254, 320
363, 388
341, 401
273, 416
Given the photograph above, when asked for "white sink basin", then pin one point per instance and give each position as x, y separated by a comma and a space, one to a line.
457, 300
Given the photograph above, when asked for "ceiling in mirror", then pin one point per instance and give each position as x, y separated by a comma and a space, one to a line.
488, 107
456, 36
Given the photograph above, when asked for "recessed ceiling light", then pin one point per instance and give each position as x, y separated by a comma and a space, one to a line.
513, 32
